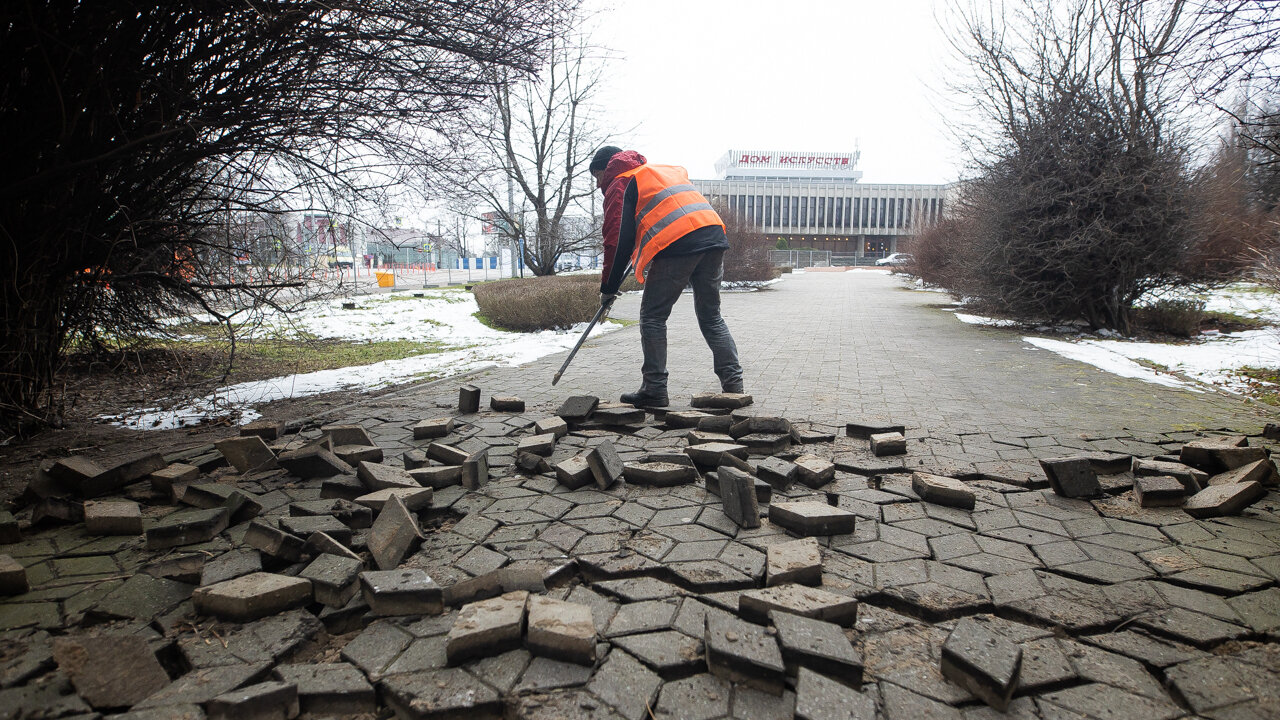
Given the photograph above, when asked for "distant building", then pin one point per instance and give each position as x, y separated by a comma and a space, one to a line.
399, 246
815, 200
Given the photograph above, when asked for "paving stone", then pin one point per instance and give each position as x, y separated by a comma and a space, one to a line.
446, 693
812, 518
561, 630
711, 454
1261, 471
346, 434
1222, 500
983, 661
377, 476
305, 525
438, 476
414, 499
542, 445
616, 416
109, 671
943, 490
741, 652
626, 685
643, 617
264, 536
242, 504
659, 474
187, 528
1071, 477
468, 399
432, 428
250, 597
765, 444
475, 470
74, 471
891, 443
1191, 478
1219, 454
1096, 700
266, 700
574, 472
1159, 491
487, 627
13, 577
394, 533
754, 605
866, 428
345, 486
577, 409
447, 454
247, 454
406, 591
229, 565
330, 688
700, 697
738, 497
797, 561
200, 686
684, 419
814, 471
130, 470
269, 430
1259, 610
312, 461
606, 465
721, 401
555, 426
669, 653
164, 479
333, 578
777, 472
821, 698
817, 645
356, 454
707, 576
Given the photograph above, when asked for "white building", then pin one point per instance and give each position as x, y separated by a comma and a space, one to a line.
815, 200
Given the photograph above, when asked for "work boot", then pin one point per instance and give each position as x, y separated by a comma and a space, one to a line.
646, 398
733, 387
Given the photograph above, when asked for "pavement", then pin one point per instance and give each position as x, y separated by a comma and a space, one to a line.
654, 601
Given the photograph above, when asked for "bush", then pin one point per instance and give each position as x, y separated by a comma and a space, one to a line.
747, 258
541, 303
935, 251
1175, 317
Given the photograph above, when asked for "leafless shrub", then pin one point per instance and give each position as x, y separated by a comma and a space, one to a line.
936, 249
550, 302
1175, 317
747, 258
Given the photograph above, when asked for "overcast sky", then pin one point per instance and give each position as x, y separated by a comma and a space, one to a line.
695, 78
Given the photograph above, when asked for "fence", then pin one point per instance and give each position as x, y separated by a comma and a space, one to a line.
801, 258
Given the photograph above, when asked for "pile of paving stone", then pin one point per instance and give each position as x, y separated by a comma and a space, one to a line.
606, 561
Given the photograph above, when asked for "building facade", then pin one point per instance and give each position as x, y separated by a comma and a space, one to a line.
815, 200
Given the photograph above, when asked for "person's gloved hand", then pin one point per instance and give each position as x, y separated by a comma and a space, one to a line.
606, 302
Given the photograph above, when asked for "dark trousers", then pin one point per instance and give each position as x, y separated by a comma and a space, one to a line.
665, 280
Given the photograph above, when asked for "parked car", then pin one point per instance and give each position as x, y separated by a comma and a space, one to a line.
897, 259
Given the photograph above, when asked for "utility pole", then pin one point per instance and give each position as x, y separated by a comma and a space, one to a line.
517, 240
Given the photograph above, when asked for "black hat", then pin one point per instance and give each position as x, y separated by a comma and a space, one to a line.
602, 157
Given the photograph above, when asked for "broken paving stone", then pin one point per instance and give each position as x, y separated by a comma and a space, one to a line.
507, 403
814, 471
330, 688
883, 444
1159, 491
606, 466
117, 517
433, 428
618, 416
543, 445
1260, 471
866, 428
821, 698
795, 561
333, 578
312, 461
13, 577
394, 533
659, 474
487, 627
777, 472
739, 651
447, 454
754, 605
1220, 500
738, 497
247, 454
110, 671
1071, 477
818, 645
406, 591
252, 596
812, 518
264, 701
943, 490
264, 536
561, 630
376, 476
468, 399
348, 434
982, 661
1192, 479
574, 472
721, 401
475, 470
415, 499
438, 477
187, 528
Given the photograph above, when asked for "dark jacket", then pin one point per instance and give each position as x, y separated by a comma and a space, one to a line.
619, 228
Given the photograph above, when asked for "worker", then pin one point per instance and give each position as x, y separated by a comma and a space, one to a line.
674, 239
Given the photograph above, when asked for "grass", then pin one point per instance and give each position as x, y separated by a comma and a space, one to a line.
263, 358
1263, 383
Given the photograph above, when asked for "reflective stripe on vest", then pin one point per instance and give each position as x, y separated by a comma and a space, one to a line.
669, 208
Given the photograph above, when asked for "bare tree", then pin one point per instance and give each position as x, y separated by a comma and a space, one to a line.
133, 131
532, 143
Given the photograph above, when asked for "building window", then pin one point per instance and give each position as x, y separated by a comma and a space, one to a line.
848, 215
857, 213
839, 221
907, 212
762, 210
777, 210
884, 213
804, 211
821, 210
874, 215
751, 209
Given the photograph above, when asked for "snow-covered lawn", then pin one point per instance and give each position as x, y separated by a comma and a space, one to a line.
1212, 358
441, 316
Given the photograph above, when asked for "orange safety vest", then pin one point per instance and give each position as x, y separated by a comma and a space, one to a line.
667, 208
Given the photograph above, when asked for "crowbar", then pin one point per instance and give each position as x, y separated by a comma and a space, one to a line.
599, 314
